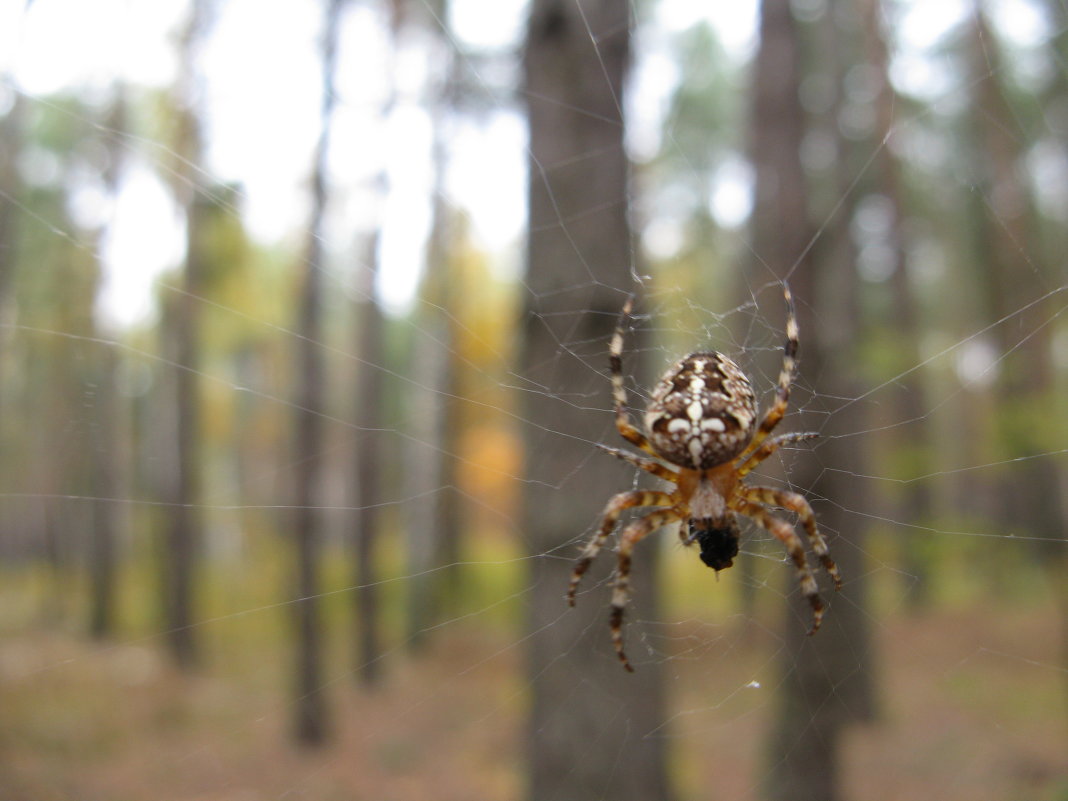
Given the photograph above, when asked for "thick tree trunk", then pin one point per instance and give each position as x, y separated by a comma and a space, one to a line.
589, 718
826, 677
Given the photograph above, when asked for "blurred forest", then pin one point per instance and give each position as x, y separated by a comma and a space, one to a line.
298, 519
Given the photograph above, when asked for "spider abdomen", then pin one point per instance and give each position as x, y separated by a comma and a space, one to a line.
718, 541
702, 412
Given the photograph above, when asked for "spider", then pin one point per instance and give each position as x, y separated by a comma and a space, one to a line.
702, 420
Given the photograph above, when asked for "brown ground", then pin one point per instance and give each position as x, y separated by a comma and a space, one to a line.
973, 707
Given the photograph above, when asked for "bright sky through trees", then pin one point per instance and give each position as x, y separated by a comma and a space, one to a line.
262, 116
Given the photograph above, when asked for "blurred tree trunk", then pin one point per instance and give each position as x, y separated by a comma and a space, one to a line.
779, 229
11, 136
11, 133
1013, 278
104, 437
372, 464
106, 448
582, 742
441, 259
370, 467
1017, 284
311, 726
909, 412
180, 332
424, 465
434, 529
1055, 247
827, 678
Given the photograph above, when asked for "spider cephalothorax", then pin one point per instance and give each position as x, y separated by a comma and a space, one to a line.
702, 420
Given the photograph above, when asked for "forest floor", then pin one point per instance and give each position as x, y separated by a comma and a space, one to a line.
971, 706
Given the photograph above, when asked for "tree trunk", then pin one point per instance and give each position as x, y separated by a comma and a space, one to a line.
372, 462
1056, 242
370, 467
1016, 282
826, 677
11, 133
909, 407
183, 535
104, 436
311, 727
434, 532
105, 454
14, 523
589, 718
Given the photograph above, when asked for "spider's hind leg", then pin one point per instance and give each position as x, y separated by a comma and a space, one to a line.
796, 503
632, 535
785, 533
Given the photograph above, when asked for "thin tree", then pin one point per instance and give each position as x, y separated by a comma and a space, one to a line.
104, 435
11, 135
434, 526
588, 717
910, 401
1056, 554
11, 139
370, 468
311, 724
1015, 281
181, 345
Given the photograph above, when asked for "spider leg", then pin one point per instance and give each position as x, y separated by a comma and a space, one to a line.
799, 505
626, 428
770, 446
785, 533
632, 535
616, 506
644, 462
786, 378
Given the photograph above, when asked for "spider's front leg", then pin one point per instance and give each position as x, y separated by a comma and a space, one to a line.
632, 535
616, 506
785, 533
624, 426
770, 446
786, 379
644, 462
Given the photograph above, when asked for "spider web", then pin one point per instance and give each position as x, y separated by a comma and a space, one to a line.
971, 683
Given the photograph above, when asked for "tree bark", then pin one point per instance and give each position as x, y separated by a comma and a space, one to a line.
435, 529
311, 723
909, 407
104, 437
588, 718
184, 523
827, 681
370, 468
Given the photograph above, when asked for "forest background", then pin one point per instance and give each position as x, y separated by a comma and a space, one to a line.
304, 315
